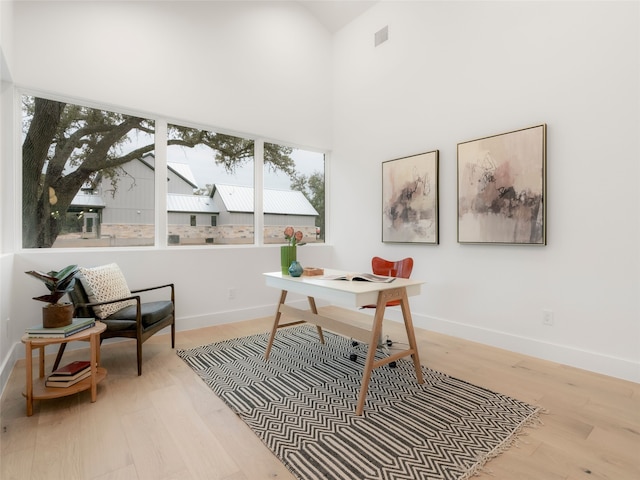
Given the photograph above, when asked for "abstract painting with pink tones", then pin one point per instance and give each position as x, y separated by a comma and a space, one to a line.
410, 199
502, 188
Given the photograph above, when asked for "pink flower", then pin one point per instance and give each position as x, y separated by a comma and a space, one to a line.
293, 238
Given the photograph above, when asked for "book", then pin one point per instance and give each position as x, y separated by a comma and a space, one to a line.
360, 277
66, 382
71, 369
77, 325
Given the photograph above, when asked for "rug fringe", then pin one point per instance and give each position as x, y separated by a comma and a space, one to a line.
532, 421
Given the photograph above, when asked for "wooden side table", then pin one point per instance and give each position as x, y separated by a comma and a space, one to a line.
37, 390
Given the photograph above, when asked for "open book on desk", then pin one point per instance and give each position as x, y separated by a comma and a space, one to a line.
360, 277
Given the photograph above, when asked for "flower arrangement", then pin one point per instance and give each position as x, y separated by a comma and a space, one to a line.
293, 238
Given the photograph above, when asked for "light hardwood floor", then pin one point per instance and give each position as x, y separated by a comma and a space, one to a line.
167, 424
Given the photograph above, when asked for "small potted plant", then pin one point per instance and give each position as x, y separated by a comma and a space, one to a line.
59, 283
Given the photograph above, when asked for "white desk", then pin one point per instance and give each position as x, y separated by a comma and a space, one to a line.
353, 294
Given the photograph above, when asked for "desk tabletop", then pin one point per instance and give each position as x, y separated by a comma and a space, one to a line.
354, 293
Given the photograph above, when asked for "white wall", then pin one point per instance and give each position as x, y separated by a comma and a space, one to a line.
457, 71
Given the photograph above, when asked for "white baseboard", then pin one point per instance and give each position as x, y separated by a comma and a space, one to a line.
566, 355
7, 365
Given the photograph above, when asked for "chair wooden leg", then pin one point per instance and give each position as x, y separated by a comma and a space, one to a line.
139, 349
59, 356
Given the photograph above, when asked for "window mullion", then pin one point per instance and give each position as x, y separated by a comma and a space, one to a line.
258, 197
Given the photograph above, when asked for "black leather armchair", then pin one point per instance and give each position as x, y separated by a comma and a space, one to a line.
139, 321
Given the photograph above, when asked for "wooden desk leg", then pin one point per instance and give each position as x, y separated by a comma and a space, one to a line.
276, 321
371, 354
408, 325
29, 387
93, 340
314, 309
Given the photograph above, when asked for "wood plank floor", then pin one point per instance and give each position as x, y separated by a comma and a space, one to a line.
167, 424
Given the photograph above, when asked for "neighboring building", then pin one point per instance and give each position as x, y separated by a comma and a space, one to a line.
125, 210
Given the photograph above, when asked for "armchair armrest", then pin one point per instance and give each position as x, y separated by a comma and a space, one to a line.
153, 288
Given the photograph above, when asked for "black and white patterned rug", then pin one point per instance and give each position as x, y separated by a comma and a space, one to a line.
302, 401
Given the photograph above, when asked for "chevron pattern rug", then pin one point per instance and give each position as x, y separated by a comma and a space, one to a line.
301, 403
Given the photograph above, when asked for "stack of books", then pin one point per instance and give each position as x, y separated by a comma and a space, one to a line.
77, 325
69, 374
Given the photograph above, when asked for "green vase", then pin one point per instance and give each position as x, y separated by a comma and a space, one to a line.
287, 256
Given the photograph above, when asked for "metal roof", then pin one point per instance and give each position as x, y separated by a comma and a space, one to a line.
177, 202
285, 202
183, 170
87, 200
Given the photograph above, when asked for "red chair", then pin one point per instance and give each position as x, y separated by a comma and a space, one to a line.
380, 266
401, 269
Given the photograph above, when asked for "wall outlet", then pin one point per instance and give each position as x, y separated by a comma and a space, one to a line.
232, 294
547, 318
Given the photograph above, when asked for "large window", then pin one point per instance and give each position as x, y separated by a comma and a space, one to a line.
86, 178
89, 180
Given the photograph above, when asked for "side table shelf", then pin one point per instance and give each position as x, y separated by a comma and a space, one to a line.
36, 388
42, 392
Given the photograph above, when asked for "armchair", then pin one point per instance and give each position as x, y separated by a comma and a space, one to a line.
102, 293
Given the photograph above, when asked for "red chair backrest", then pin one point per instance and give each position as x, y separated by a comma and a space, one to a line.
401, 268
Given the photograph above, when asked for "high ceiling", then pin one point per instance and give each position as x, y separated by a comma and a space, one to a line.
335, 14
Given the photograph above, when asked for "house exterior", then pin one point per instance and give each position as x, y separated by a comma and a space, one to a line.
124, 211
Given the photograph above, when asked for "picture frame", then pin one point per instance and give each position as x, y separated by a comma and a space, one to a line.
502, 188
410, 199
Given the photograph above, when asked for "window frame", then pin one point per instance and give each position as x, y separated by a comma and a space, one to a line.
161, 229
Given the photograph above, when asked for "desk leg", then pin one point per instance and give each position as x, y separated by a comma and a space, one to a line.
371, 354
411, 336
276, 321
314, 309
29, 387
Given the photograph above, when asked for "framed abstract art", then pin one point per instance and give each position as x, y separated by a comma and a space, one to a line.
502, 188
410, 199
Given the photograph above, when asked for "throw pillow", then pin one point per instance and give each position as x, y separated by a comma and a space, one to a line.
105, 283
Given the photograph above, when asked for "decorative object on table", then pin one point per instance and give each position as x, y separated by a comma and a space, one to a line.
288, 253
76, 325
502, 188
59, 283
410, 199
303, 410
312, 271
295, 269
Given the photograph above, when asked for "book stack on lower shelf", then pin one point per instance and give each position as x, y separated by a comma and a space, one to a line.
70, 374
77, 325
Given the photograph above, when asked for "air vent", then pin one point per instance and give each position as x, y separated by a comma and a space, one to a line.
381, 35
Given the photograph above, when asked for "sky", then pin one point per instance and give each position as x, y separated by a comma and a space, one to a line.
206, 171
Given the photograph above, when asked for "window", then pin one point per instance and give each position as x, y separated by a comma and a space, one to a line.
89, 180
211, 177
86, 180
293, 193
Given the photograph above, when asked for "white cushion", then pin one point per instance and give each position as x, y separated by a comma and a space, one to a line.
105, 283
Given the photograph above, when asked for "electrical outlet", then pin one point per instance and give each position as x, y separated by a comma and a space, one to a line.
547, 318
232, 294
